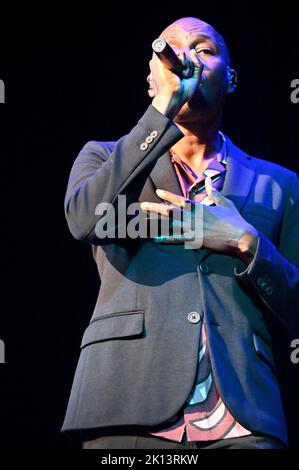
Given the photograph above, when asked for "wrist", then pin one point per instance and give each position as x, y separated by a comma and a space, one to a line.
247, 245
169, 105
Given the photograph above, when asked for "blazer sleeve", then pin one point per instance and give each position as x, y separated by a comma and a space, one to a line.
99, 175
274, 271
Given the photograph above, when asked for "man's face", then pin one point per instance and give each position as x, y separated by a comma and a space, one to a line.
191, 33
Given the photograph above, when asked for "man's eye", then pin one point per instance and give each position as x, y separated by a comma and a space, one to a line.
204, 51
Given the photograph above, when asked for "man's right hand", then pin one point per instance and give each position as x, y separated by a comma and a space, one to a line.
169, 91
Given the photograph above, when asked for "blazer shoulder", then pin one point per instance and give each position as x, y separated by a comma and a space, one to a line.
261, 166
273, 168
98, 147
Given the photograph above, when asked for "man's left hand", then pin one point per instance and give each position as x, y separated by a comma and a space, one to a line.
224, 229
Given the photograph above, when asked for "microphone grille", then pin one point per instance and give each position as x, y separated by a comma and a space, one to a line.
158, 45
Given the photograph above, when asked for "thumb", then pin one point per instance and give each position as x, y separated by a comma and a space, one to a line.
214, 195
198, 66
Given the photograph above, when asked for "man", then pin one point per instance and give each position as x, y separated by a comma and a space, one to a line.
177, 353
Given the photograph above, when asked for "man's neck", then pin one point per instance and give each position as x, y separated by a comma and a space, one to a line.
198, 146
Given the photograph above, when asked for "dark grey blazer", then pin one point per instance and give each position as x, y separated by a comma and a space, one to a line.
140, 351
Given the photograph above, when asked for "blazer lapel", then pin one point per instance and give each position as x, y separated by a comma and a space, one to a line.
163, 176
240, 172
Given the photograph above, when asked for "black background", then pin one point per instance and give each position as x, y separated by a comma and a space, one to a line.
80, 75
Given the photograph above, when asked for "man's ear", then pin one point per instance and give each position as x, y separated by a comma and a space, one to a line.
232, 80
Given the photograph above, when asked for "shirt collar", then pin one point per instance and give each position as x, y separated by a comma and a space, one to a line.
222, 154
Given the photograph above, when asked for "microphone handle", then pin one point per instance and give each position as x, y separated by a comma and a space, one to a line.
167, 55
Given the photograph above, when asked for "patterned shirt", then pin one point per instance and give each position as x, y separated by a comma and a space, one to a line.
205, 416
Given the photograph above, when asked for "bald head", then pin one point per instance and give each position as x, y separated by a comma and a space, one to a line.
190, 26
194, 40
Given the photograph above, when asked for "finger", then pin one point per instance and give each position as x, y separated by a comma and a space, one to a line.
155, 64
182, 57
198, 65
189, 69
167, 240
195, 58
157, 208
175, 199
173, 239
154, 59
150, 90
214, 195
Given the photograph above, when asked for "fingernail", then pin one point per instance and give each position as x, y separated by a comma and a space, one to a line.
160, 239
160, 191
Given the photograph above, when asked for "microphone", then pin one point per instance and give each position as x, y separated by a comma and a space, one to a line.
167, 55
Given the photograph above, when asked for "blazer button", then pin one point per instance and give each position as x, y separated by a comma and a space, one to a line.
194, 317
263, 279
143, 146
260, 281
204, 268
193, 445
269, 290
149, 139
154, 134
